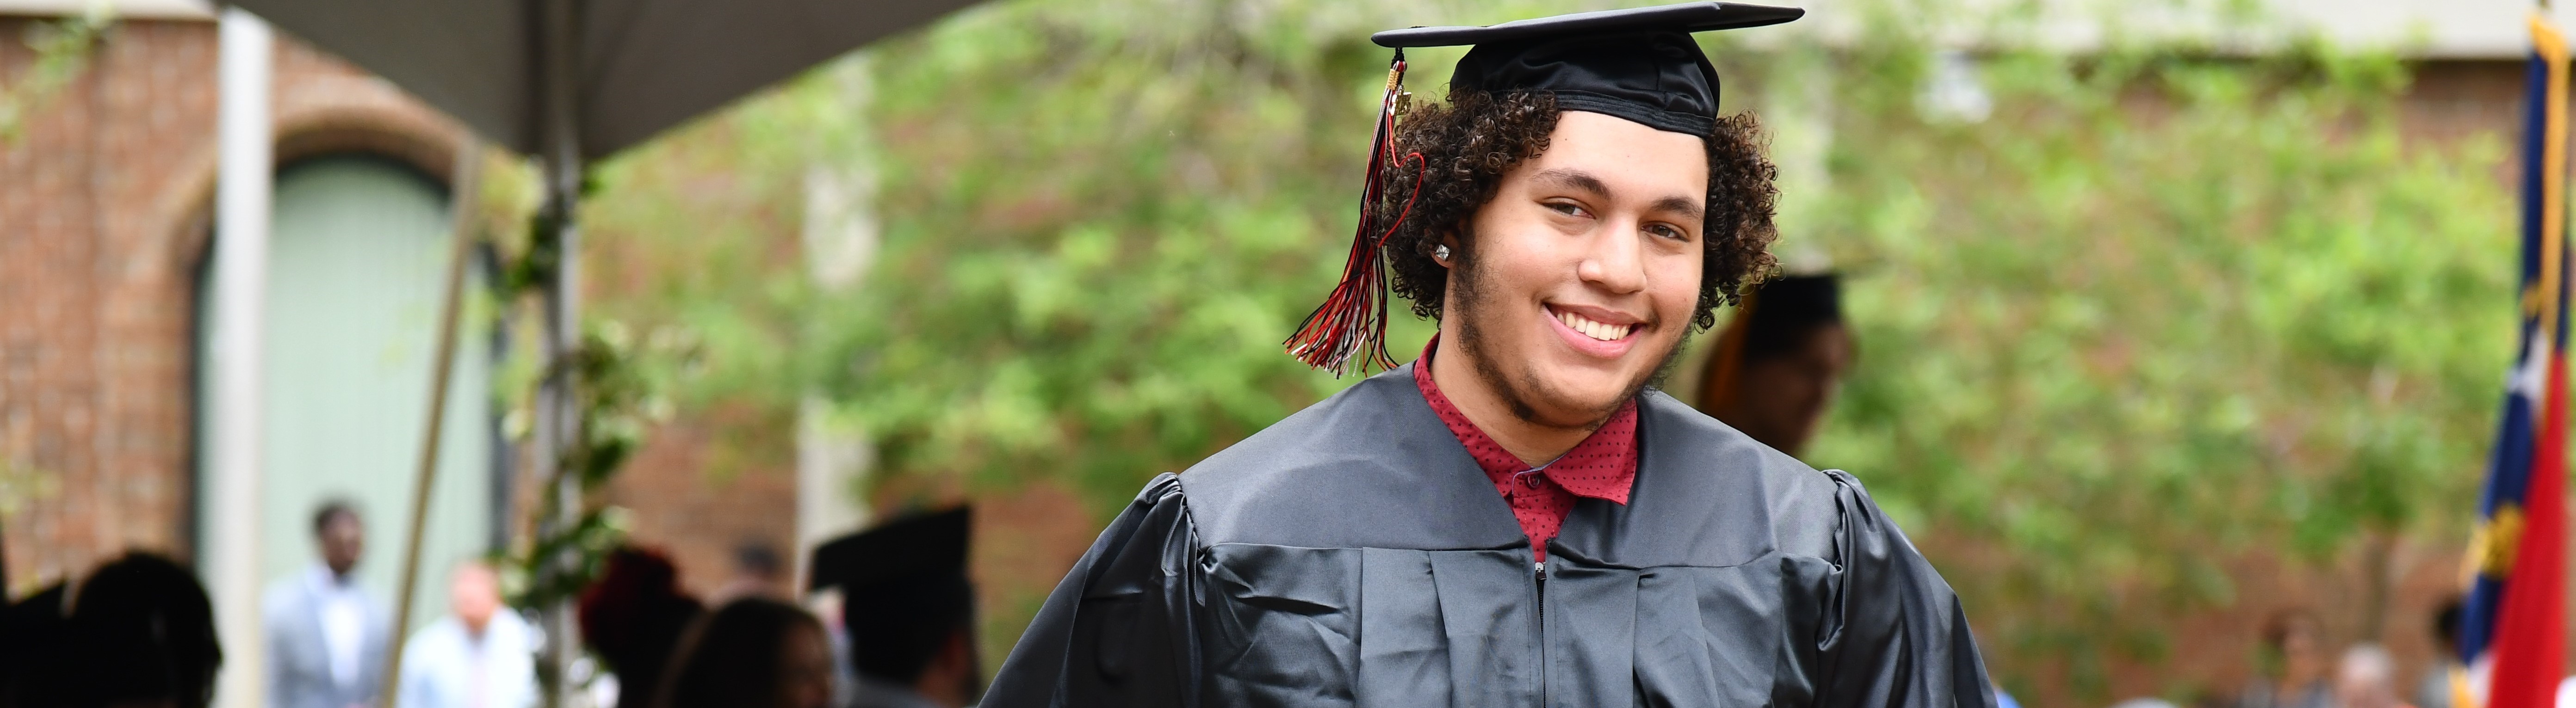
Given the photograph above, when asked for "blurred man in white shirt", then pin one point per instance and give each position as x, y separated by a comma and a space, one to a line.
481, 656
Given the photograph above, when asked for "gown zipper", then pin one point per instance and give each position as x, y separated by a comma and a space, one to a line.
1541, 568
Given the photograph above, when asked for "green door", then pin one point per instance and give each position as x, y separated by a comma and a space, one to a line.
356, 254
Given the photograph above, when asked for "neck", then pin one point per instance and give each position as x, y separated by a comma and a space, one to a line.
942, 687
1454, 368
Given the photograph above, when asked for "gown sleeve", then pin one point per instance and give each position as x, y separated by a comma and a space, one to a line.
1894, 633
1121, 629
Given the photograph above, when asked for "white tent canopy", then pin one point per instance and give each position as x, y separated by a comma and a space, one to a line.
642, 66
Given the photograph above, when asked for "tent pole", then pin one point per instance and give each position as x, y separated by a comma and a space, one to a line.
559, 410
462, 190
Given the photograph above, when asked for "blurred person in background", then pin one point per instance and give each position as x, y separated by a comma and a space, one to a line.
31, 636
326, 635
751, 653
907, 610
2434, 689
2294, 665
481, 655
140, 634
2366, 678
757, 572
632, 619
1780, 361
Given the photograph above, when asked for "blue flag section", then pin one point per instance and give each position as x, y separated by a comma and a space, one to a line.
2512, 637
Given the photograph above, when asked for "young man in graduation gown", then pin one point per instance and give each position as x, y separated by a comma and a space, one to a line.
1515, 518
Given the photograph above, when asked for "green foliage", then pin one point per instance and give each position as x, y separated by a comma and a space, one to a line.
62, 51
616, 394
2157, 311
619, 388
1101, 218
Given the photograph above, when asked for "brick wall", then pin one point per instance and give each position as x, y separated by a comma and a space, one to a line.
94, 297
697, 498
104, 208
105, 205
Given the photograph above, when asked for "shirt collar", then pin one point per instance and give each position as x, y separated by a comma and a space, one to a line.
332, 583
1615, 441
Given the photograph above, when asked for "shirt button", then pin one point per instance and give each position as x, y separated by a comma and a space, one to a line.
1530, 481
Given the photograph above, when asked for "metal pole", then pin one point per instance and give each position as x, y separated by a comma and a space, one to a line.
559, 414
243, 179
461, 206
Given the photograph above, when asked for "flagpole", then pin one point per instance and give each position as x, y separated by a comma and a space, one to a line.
2545, 39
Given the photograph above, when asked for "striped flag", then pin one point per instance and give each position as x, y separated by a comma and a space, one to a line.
2513, 636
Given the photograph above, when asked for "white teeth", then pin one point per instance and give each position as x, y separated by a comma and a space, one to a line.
1597, 330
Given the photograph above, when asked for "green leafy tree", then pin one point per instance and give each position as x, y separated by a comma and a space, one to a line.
2158, 311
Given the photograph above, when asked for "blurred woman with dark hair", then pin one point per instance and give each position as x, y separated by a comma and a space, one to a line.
633, 618
752, 653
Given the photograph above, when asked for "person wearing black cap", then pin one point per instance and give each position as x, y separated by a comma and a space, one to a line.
1779, 362
909, 610
1516, 518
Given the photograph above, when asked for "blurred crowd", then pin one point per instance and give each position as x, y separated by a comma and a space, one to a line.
139, 631
2302, 672
2299, 669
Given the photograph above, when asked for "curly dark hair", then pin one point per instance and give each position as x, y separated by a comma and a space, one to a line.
1468, 145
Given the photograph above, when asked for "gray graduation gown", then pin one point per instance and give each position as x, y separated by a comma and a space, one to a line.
1354, 555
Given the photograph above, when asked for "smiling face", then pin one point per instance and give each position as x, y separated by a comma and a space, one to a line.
1583, 271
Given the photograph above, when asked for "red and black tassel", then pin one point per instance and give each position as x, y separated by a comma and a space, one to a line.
1351, 325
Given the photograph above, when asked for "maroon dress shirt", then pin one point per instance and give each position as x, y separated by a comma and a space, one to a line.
1603, 466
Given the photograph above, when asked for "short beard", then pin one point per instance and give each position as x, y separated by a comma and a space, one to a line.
1466, 280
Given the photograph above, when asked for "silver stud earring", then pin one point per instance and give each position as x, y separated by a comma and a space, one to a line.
1440, 253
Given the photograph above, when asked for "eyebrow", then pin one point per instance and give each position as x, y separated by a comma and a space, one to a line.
1584, 181
1575, 179
1685, 206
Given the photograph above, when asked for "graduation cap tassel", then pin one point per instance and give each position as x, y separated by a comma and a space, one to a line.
1352, 321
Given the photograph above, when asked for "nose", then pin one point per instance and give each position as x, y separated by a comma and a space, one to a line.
1614, 261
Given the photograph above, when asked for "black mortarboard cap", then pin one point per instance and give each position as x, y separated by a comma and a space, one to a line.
1791, 302
929, 544
1638, 64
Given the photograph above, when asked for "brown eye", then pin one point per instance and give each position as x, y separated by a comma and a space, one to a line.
1566, 208
1668, 232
